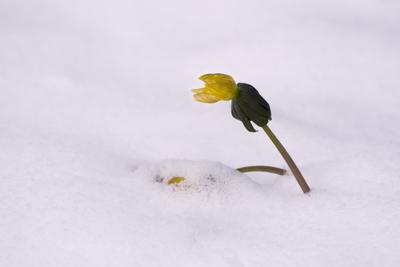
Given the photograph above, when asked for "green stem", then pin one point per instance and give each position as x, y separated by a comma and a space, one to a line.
296, 172
262, 169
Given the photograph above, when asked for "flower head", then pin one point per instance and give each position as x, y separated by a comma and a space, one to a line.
217, 87
247, 104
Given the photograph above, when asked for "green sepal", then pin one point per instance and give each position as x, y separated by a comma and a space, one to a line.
249, 106
238, 114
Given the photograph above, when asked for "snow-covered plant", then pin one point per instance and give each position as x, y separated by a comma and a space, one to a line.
247, 106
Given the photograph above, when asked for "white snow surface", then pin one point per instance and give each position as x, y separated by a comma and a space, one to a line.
95, 104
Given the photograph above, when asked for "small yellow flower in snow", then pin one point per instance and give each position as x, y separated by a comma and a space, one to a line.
175, 180
218, 87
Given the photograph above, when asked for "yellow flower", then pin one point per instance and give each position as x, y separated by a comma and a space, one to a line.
218, 87
178, 183
175, 180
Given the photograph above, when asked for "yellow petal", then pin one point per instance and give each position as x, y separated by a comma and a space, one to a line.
215, 77
220, 85
206, 98
201, 90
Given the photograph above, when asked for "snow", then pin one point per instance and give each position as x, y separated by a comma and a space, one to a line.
95, 104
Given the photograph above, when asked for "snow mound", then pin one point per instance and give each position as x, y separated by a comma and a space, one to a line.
200, 177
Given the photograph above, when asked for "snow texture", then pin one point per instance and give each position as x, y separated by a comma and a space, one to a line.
95, 108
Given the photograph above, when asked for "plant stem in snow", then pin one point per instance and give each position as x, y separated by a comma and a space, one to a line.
262, 169
296, 172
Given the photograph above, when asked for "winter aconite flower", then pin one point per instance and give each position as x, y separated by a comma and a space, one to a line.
247, 106
178, 183
175, 180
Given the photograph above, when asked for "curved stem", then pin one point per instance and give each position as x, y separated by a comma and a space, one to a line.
260, 168
296, 172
